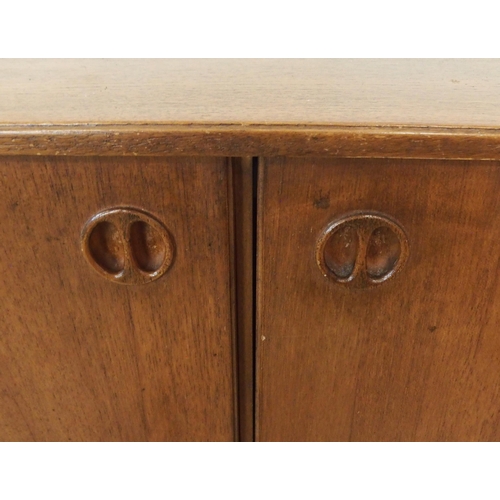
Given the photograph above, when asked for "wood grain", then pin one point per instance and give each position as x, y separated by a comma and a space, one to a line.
353, 142
85, 359
412, 92
392, 108
413, 359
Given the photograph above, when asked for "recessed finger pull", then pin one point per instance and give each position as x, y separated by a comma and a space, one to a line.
106, 247
127, 245
341, 251
383, 252
362, 249
147, 246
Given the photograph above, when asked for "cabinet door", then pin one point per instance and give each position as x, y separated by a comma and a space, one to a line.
378, 300
94, 344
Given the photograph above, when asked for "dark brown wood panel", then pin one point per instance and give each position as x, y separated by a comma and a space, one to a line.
85, 358
413, 358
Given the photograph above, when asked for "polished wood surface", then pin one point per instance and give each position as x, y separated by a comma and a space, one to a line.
83, 357
413, 359
406, 108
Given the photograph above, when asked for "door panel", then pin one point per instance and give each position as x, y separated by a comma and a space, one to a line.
411, 357
83, 357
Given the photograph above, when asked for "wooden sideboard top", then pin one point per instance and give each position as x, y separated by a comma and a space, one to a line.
333, 92
399, 108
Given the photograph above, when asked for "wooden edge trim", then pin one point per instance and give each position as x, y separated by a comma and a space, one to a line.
252, 140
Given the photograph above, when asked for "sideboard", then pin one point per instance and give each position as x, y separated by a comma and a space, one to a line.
270, 250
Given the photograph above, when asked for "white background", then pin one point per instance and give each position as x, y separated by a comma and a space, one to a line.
256, 28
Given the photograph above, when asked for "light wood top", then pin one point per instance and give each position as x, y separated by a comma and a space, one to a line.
363, 108
362, 92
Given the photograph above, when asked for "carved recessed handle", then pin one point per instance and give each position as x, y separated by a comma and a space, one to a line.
127, 245
362, 249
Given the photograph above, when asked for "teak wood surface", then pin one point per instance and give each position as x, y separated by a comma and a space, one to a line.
83, 358
396, 108
413, 359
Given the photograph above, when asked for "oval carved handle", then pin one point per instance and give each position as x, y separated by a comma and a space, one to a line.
127, 245
362, 249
